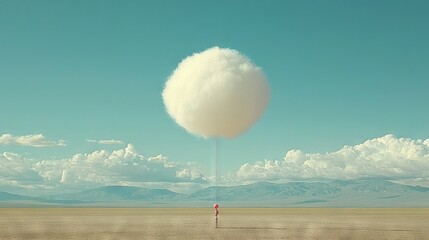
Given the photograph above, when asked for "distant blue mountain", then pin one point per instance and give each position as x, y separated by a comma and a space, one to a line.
118, 193
5, 196
267, 190
349, 193
376, 186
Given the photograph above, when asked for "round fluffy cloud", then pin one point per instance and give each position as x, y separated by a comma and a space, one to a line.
216, 93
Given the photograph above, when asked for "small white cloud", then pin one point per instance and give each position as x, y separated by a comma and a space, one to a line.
184, 173
105, 142
35, 140
158, 158
384, 157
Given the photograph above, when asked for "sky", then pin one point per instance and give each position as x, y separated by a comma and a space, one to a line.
81, 83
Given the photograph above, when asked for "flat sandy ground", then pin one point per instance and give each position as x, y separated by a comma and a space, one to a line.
198, 223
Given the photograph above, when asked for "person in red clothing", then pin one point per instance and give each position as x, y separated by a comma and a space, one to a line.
216, 206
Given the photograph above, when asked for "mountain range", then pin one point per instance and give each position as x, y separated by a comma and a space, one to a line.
349, 193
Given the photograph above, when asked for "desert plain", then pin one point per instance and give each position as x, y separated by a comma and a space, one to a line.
198, 223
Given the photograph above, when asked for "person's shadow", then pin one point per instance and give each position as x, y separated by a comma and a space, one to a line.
255, 228
284, 228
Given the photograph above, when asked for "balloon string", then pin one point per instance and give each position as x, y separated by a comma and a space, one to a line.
215, 155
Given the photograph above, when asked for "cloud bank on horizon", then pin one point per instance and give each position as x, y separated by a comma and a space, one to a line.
99, 168
386, 157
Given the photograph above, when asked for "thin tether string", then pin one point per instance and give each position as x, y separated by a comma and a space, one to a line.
215, 157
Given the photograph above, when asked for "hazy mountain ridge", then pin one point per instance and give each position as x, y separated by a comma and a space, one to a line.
346, 193
5, 196
118, 193
267, 190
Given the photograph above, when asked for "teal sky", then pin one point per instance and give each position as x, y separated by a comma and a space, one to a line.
340, 72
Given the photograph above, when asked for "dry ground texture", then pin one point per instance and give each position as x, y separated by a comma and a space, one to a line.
198, 223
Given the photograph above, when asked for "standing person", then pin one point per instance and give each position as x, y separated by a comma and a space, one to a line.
216, 206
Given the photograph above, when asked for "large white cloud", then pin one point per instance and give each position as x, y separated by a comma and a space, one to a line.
384, 157
120, 167
35, 140
216, 93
